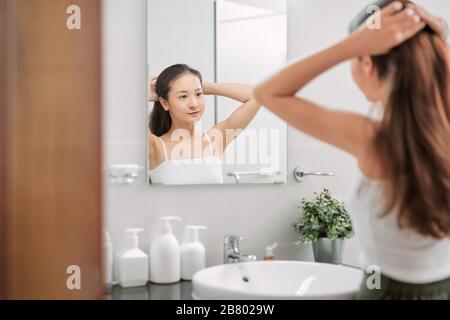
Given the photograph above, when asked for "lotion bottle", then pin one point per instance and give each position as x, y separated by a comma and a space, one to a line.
192, 253
133, 262
165, 255
107, 260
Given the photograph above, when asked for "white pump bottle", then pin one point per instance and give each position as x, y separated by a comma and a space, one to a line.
192, 253
165, 255
133, 262
107, 260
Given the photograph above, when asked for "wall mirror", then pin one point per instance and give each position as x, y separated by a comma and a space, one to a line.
204, 56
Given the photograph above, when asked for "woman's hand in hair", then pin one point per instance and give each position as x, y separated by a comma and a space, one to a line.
152, 95
397, 25
436, 24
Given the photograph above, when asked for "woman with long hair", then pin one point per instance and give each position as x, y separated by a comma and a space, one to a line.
401, 207
179, 152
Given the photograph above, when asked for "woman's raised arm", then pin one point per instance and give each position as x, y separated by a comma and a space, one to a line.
346, 130
242, 116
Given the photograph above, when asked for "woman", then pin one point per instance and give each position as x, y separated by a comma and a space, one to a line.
179, 153
404, 159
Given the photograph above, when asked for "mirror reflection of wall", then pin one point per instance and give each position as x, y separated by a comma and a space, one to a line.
251, 45
204, 125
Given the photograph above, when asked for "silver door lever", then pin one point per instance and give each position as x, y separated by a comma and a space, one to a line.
301, 172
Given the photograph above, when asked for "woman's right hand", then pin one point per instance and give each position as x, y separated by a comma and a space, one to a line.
152, 95
398, 24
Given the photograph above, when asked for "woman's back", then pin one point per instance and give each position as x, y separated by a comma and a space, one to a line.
402, 254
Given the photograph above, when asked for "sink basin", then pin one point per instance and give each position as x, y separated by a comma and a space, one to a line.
274, 280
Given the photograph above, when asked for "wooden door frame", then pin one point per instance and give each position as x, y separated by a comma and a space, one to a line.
50, 149
3, 147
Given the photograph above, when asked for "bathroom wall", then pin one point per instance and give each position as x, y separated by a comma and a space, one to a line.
262, 214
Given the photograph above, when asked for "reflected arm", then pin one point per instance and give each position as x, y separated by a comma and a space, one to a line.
242, 116
238, 92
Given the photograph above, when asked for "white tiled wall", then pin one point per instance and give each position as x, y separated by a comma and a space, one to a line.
261, 213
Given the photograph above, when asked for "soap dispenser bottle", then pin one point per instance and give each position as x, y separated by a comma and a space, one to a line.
165, 255
192, 253
107, 260
133, 262
269, 252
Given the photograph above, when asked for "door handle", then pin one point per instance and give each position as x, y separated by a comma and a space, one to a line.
301, 172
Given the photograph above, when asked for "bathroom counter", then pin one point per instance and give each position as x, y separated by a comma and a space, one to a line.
178, 291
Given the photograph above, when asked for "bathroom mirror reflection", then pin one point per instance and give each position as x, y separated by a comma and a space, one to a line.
204, 126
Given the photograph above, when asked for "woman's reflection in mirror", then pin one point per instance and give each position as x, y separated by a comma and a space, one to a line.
180, 151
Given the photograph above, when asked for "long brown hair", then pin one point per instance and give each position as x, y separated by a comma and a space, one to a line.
160, 120
413, 139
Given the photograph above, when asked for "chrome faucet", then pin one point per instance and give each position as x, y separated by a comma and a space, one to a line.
231, 251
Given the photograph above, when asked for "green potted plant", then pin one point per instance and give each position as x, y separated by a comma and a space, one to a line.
325, 223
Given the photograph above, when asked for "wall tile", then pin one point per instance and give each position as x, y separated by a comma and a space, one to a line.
125, 14
125, 84
138, 206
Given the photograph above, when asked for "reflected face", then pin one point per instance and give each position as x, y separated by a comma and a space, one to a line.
186, 102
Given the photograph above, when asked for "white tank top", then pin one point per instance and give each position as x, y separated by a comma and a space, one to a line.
205, 170
401, 254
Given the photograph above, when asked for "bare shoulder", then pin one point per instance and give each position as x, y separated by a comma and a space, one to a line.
151, 138
154, 151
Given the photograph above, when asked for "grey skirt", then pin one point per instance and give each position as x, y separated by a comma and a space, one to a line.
391, 289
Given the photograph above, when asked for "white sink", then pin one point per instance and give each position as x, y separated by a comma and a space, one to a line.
275, 280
